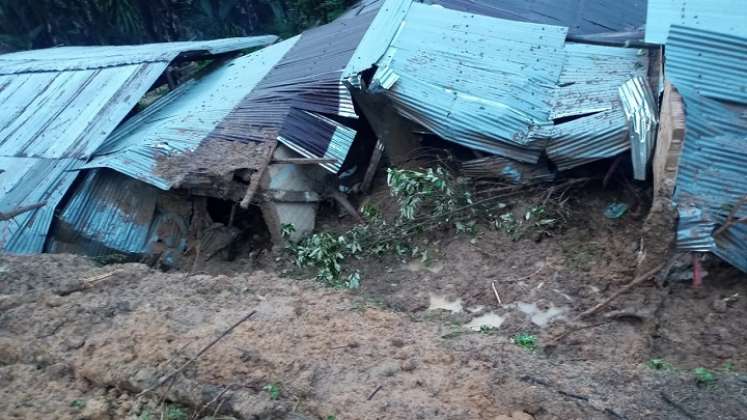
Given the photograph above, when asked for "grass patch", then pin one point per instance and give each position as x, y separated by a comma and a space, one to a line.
525, 341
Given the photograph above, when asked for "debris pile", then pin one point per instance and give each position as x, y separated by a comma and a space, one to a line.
541, 88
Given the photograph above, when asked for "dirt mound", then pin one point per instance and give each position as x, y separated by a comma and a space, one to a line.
86, 350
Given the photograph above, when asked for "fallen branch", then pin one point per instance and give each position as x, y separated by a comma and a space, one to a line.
373, 394
638, 280
20, 210
197, 356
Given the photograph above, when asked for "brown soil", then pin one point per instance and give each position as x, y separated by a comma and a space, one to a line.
72, 352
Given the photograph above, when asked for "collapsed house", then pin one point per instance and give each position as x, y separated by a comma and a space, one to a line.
540, 87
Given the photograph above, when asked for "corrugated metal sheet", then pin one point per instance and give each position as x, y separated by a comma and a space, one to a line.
725, 16
708, 70
587, 139
591, 77
306, 81
713, 63
112, 213
29, 181
580, 16
60, 105
711, 178
97, 57
474, 80
183, 119
643, 120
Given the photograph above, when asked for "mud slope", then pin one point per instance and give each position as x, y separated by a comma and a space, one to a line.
72, 353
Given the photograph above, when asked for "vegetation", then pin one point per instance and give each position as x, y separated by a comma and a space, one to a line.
46, 23
273, 390
659, 364
704, 377
429, 200
526, 341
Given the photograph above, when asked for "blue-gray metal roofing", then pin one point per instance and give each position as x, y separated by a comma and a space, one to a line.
183, 119
591, 77
726, 16
584, 140
711, 178
61, 110
478, 81
582, 17
28, 181
110, 212
641, 111
96, 57
113, 213
307, 81
713, 63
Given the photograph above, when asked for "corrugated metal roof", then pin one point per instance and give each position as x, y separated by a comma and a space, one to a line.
642, 113
711, 177
580, 16
725, 16
475, 80
713, 63
183, 119
29, 181
110, 212
307, 79
587, 139
591, 77
708, 70
60, 108
97, 57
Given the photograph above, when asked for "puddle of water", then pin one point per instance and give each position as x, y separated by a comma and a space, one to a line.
441, 302
539, 317
490, 319
417, 265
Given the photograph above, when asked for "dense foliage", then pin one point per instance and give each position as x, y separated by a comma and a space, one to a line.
28, 24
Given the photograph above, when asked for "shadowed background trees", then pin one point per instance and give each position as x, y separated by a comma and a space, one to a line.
27, 24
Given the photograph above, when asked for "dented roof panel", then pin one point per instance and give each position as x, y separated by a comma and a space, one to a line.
591, 77
26, 182
59, 106
711, 187
180, 121
474, 80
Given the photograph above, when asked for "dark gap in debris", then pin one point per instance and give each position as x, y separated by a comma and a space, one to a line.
253, 232
367, 75
570, 118
356, 162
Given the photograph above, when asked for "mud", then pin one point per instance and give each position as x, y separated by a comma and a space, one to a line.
82, 341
